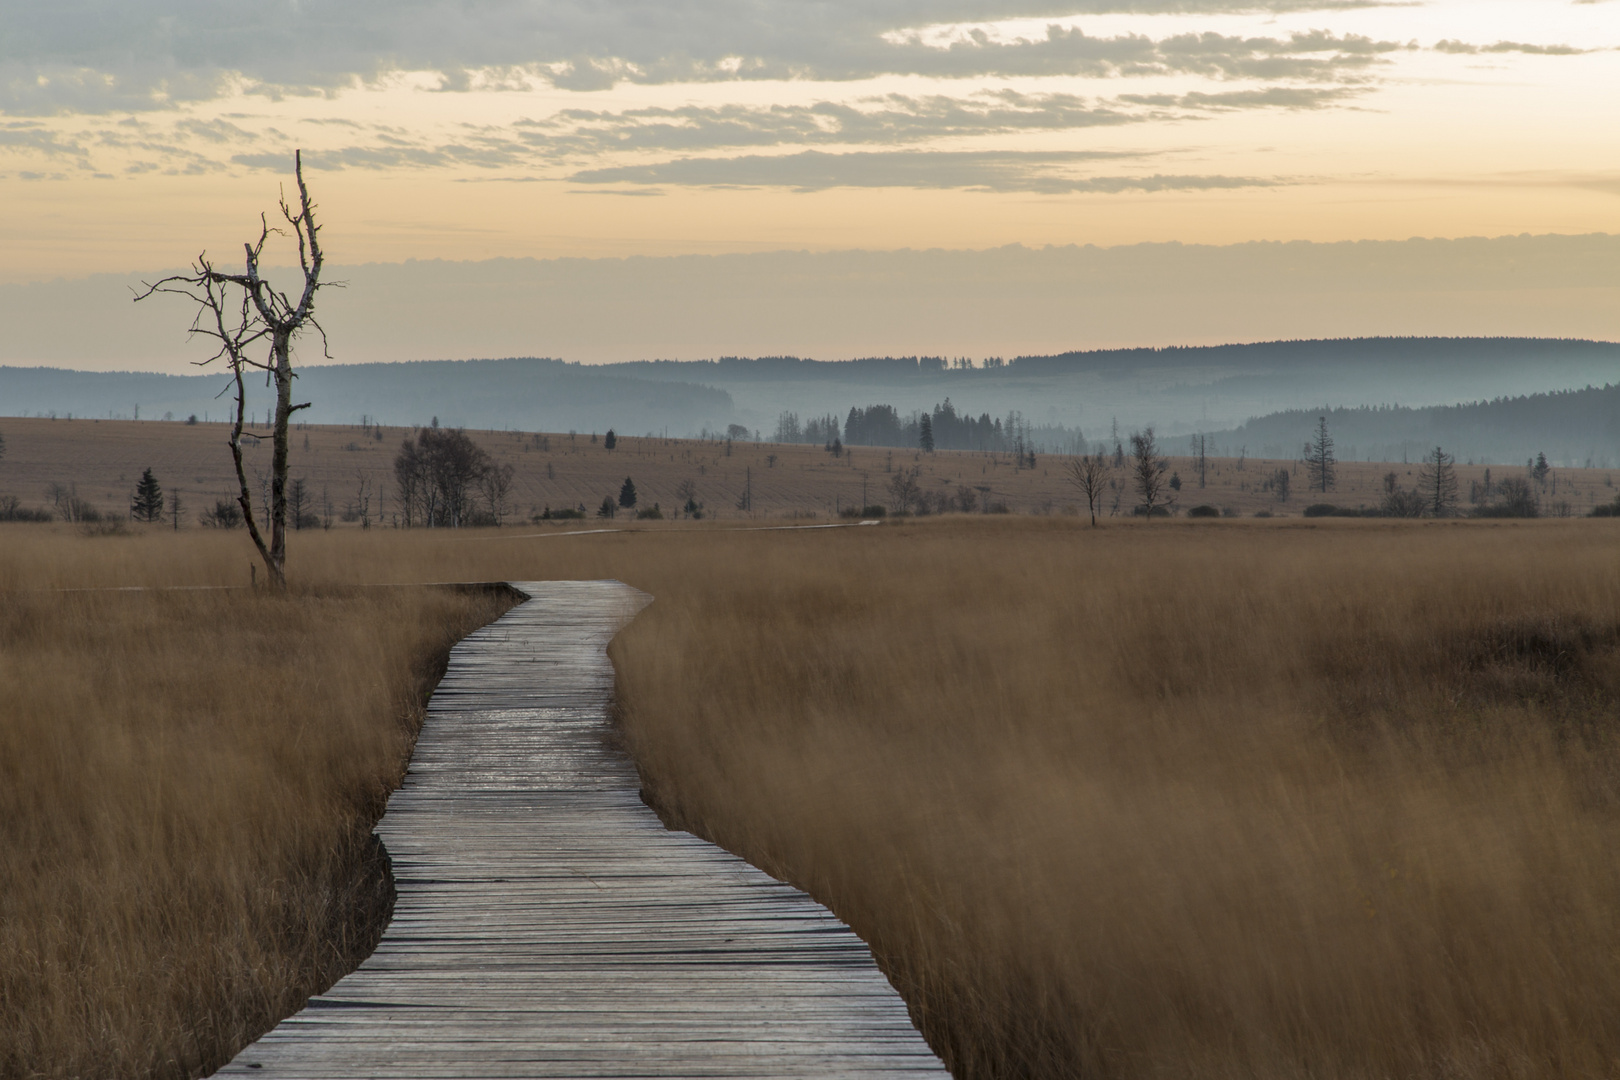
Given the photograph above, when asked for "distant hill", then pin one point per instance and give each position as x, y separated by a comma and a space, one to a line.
531, 394
1179, 391
1572, 427
1459, 356
1450, 355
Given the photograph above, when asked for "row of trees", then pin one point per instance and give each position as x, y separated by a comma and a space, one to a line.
817, 429
443, 478
149, 505
628, 498
1436, 493
942, 428
1089, 474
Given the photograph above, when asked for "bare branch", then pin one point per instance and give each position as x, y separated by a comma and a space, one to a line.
241, 311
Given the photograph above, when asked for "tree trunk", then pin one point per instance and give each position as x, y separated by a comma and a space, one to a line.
281, 363
244, 496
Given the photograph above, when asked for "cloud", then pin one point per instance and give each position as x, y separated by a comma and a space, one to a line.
1463, 48
894, 118
35, 138
578, 135
1070, 51
391, 154
219, 132
1271, 97
1046, 172
99, 56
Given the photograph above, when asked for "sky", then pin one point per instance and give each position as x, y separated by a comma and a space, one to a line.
136, 133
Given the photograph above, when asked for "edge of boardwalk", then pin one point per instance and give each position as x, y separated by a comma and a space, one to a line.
548, 925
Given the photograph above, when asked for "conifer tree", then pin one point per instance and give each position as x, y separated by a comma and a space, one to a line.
148, 502
1438, 482
610, 440
925, 434
1319, 459
627, 494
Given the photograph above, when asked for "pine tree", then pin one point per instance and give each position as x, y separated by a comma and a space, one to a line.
925, 434
627, 494
148, 503
610, 440
1438, 482
1319, 459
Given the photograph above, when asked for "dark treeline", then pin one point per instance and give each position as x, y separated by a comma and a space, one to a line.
1445, 352
942, 428
1573, 427
1329, 353
772, 368
881, 425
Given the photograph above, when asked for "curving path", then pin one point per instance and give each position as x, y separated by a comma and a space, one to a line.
549, 926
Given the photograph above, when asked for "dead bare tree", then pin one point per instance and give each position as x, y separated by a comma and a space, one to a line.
496, 484
1089, 474
362, 498
242, 313
904, 490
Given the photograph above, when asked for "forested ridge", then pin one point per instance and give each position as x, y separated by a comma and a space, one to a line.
973, 404
1571, 427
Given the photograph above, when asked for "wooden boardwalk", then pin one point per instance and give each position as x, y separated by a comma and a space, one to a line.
548, 925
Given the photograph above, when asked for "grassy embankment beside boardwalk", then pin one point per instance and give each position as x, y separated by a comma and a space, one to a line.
1183, 798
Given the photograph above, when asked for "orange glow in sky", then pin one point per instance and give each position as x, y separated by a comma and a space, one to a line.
1448, 118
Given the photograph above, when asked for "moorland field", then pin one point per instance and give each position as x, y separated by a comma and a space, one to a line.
1210, 798
103, 459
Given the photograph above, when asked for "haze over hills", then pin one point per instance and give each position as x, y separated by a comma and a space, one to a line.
1572, 427
1389, 396
835, 305
532, 394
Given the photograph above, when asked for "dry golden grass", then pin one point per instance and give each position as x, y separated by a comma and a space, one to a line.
1215, 799
188, 781
104, 458
1162, 801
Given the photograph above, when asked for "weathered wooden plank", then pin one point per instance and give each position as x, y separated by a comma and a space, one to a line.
548, 925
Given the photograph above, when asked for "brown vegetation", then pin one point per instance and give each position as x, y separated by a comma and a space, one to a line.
104, 458
1238, 802
1211, 799
188, 781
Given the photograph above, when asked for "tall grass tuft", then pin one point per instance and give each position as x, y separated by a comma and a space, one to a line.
1251, 802
188, 782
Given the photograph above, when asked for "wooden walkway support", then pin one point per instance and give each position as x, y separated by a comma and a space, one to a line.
548, 925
